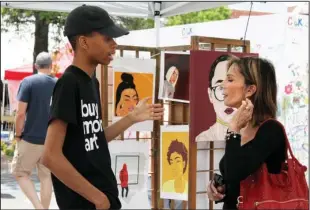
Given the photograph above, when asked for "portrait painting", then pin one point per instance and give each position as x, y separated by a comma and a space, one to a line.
174, 162
174, 76
133, 80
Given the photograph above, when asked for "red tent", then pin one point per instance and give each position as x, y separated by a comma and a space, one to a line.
61, 59
20, 73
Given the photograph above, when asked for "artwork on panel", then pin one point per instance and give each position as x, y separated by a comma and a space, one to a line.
174, 77
130, 162
209, 115
174, 162
127, 169
133, 80
291, 61
294, 102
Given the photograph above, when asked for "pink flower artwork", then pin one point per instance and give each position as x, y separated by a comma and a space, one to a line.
288, 89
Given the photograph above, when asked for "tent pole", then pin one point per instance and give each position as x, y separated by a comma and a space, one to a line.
3, 103
3, 97
157, 7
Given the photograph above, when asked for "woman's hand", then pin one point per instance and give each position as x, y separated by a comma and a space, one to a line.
215, 194
242, 117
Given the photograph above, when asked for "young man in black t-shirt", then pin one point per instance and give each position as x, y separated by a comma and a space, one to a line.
76, 149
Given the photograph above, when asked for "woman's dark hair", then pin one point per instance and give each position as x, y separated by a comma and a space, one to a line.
127, 83
261, 73
219, 59
178, 147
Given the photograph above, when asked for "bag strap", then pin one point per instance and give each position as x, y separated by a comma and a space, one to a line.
287, 143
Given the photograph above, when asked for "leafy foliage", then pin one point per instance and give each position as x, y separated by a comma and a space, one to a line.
134, 23
220, 13
3, 146
8, 150
20, 17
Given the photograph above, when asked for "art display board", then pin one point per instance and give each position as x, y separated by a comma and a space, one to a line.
291, 60
174, 159
174, 76
133, 80
203, 177
135, 154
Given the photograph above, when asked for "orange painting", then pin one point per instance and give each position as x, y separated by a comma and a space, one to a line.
129, 89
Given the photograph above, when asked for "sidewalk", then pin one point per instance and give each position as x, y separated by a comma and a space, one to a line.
11, 195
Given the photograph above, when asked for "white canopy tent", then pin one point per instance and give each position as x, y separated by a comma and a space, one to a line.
130, 9
145, 9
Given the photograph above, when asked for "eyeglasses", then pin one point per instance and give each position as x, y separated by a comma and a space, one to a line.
218, 92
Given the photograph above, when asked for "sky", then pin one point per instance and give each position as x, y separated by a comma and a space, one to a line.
16, 50
276, 7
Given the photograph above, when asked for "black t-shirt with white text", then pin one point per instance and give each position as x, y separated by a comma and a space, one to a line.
76, 101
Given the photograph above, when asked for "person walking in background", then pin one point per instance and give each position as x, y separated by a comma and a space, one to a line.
34, 97
123, 177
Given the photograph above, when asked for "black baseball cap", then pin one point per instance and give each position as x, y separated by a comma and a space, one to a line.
86, 19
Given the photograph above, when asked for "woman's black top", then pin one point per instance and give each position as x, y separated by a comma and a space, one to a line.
268, 146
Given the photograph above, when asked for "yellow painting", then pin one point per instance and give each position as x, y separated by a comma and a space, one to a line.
174, 162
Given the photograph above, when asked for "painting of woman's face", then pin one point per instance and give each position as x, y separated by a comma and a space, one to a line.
222, 111
177, 164
174, 76
129, 100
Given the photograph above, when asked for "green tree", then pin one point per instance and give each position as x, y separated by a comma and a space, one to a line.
220, 13
134, 23
42, 21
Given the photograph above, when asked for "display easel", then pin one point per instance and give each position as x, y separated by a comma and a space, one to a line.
178, 113
107, 113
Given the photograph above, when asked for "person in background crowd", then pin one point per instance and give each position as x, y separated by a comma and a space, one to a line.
34, 97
